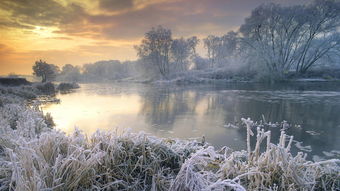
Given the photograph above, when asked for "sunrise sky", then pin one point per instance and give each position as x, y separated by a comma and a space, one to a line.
84, 31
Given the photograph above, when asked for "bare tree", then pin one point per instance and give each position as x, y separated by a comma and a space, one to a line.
155, 49
70, 73
105, 71
220, 49
210, 43
193, 42
182, 50
47, 72
292, 37
322, 28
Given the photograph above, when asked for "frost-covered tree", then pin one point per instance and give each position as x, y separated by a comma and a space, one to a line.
210, 43
323, 28
220, 49
70, 73
283, 38
193, 42
227, 47
182, 50
180, 53
155, 49
105, 71
47, 72
200, 63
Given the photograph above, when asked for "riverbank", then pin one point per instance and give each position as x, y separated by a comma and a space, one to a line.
228, 76
35, 157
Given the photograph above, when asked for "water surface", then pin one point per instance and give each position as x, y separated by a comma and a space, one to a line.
189, 111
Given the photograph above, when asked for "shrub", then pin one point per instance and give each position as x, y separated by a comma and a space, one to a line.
46, 88
49, 120
67, 86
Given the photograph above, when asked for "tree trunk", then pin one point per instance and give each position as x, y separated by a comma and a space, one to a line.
43, 78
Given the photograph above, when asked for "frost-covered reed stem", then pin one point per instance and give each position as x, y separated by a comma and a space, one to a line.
268, 141
289, 143
249, 124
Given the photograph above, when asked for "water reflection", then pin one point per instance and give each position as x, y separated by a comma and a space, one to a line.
193, 111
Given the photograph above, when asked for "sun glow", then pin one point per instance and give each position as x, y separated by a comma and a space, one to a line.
44, 32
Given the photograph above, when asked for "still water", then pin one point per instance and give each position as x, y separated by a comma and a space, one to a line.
193, 111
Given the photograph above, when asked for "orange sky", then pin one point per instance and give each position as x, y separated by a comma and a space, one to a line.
84, 31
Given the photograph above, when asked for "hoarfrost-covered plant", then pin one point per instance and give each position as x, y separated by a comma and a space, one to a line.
106, 160
273, 169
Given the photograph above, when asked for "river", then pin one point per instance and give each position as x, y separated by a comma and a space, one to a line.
192, 111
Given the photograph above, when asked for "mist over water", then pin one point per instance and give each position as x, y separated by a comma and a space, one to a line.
188, 111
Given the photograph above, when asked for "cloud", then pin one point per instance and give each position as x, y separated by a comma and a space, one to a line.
190, 17
130, 19
60, 38
40, 13
13, 24
115, 5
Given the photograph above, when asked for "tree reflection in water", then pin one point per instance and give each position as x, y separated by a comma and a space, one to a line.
188, 111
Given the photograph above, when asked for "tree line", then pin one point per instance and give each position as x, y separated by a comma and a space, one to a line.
96, 72
273, 41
